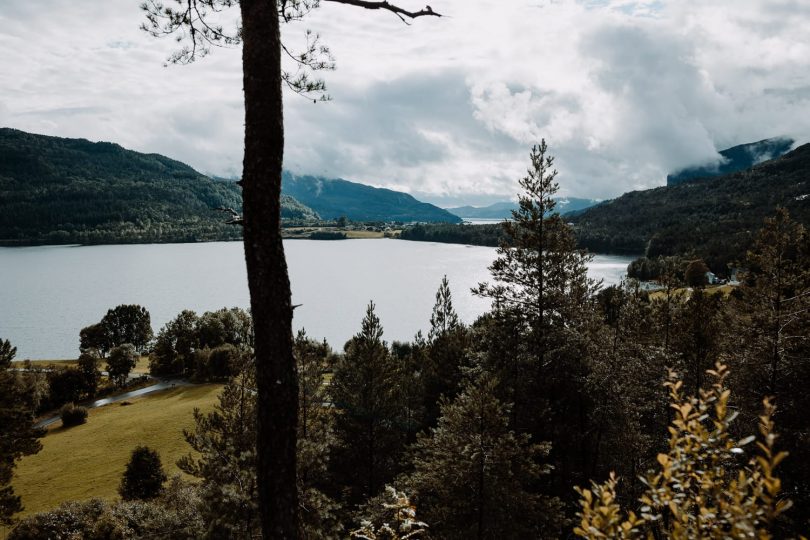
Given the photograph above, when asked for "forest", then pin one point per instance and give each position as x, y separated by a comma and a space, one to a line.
569, 409
55, 190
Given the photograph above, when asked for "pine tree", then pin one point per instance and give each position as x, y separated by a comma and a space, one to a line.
144, 475
473, 476
18, 437
224, 444
540, 286
364, 391
446, 352
770, 345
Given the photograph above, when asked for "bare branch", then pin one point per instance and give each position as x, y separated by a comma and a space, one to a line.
427, 11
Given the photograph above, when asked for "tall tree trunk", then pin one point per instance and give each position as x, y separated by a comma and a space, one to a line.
268, 281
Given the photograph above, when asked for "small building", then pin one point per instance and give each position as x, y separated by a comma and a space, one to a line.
711, 278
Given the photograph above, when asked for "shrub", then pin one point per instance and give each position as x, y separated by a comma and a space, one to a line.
703, 488
144, 476
72, 415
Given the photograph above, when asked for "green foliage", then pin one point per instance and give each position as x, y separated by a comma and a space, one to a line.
58, 191
700, 489
448, 233
695, 273
144, 476
94, 339
394, 518
174, 346
473, 476
224, 458
121, 362
172, 515
364, 389
224, 444
88, 366
72, 415
773, 315
327, 235
715, 219
18, 437
185, 344
7, 354
128, 323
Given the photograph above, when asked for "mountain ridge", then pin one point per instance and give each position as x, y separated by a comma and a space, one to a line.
715, 218
333, 198
736, 158
66, 190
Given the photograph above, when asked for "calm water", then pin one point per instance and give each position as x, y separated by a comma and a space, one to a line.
47, 294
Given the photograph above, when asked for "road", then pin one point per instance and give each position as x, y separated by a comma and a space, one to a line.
163, 384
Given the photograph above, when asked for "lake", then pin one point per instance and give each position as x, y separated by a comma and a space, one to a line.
48, 293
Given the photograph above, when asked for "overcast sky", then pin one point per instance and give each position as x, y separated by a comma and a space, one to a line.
446, 109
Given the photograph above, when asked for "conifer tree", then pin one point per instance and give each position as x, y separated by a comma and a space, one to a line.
540, 283
770, 345
18, 437
473, 477
224, 442
446, 352
364, 390
144, 475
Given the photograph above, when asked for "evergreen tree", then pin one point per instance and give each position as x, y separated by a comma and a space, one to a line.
446, 353
318, 513
473, 477
224, 444
770, 345
540, 286
364, 391
18, 437
144, 475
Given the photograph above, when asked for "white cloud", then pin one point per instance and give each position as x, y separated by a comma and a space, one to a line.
624, 91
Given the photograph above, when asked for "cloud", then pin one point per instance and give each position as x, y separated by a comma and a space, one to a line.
623, 91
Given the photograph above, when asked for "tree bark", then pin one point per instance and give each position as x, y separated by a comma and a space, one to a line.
268, 281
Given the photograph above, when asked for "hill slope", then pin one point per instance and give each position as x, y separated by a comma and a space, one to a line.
333, 198
58, 190
503, 210
715, 218
736, 158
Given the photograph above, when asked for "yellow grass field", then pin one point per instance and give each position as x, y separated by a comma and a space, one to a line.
141, 367
87, 461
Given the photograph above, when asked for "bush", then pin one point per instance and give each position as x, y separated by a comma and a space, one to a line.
72, 415
144, 476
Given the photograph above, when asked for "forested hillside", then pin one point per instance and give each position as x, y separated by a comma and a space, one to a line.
56, 190
715, 219
736, 158
503, 210
334, 198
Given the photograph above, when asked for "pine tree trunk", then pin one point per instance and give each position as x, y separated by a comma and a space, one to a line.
267, 270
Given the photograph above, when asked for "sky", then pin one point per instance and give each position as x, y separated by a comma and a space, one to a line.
447, 108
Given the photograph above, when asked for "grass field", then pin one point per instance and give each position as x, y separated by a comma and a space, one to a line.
87, 461
718, 289
141, 367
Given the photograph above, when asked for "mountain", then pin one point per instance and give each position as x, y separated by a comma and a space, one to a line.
503, 210
58, 190
333, 198
715, 219
737, 158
